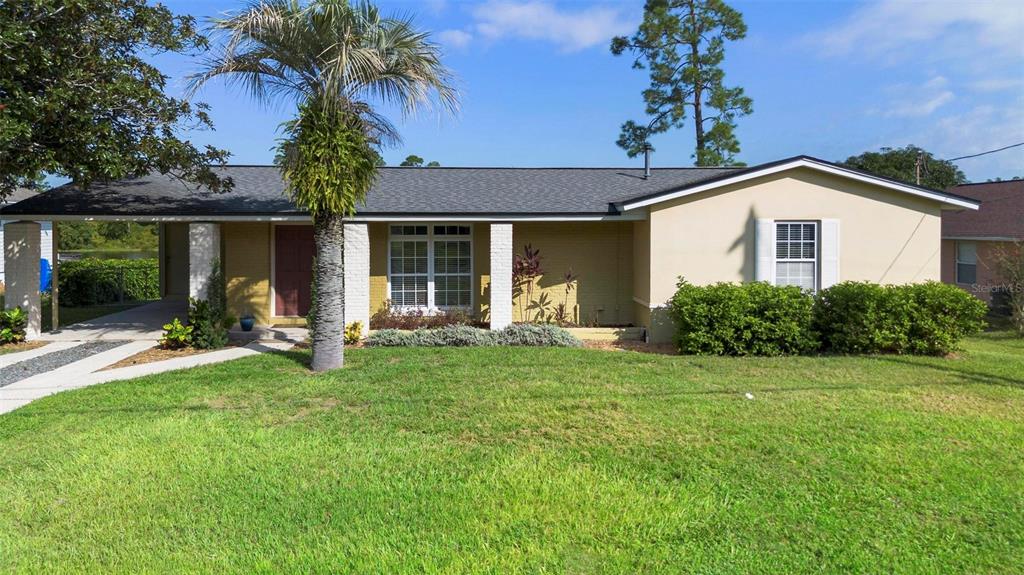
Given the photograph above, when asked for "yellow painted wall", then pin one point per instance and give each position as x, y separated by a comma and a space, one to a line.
378, 265
600, 253
246, 253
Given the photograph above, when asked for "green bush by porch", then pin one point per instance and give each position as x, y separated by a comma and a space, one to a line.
92, 281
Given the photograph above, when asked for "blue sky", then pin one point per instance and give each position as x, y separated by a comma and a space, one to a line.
829, 79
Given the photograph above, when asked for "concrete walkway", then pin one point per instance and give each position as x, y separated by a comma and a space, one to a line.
144, 322
86, 372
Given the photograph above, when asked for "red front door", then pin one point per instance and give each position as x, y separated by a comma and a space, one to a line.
293, 269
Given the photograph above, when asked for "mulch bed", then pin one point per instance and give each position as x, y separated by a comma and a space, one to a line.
23, 346
159, 354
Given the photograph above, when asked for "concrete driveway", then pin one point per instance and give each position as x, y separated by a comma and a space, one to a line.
144, 322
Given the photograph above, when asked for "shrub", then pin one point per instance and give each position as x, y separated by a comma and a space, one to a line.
943, 315
748, 319
92, 281
929, 318
209, 318
468, 336
389, 338
353, 333
536, 335
176, 335
12, 325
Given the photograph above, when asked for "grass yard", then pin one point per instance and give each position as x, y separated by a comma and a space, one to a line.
501, 460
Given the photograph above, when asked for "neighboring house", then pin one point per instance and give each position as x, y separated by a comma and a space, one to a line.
46, 228
972, 240
436, 238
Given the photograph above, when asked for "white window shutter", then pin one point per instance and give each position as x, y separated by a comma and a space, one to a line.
829, 253
764, 249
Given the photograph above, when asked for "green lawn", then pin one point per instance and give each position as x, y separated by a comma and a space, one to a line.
504, 460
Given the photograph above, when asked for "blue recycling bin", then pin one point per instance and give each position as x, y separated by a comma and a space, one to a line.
45, 274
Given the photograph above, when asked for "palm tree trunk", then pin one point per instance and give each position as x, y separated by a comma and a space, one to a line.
329, 275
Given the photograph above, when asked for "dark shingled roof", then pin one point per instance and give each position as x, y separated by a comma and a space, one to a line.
17, 195
259, 191
1001, 214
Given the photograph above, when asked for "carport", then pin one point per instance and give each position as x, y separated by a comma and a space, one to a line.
187, 251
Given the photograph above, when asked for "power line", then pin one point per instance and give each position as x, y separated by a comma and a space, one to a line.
988, 152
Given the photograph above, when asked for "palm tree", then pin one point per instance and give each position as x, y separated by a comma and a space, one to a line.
335, 60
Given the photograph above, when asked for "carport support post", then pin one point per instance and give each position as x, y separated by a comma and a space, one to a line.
55, 278
203, 250
357, 274
501, 275
22, 252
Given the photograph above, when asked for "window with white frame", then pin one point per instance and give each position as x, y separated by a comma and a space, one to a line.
431, 266
796, 254
966, 262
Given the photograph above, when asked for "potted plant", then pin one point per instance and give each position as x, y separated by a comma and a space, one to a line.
247, 321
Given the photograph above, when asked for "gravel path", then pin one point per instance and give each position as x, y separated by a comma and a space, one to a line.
51, 361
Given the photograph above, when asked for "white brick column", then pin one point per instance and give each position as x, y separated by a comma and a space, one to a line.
203, 250
501, 275
357, 274
22, 253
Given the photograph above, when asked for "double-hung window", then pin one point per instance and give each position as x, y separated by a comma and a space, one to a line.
431, 266
966, 262
796, 254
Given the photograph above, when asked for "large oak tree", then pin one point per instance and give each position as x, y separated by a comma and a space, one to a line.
78, 98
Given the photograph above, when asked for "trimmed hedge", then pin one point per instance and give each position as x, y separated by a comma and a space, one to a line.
92, 281
851, 317
467, 336
742, 319
923, 319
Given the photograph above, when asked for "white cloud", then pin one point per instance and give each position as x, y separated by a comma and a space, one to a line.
917, 101
886, 28
997, 84
571, 30
455, 38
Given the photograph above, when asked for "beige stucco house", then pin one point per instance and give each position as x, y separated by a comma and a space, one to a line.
437, 238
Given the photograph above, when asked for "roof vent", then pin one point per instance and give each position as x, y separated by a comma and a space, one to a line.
647, 161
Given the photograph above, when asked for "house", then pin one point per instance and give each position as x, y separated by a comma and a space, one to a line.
438, 238
972, 240
46, 229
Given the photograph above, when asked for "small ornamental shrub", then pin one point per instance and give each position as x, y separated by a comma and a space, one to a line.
389, 338
543, 335
92, 281
13, 323
925, 319
453, 336
748, 319
176, 335
353, 333
209, 318
388, 317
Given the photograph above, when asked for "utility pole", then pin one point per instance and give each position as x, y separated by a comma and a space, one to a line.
917, 166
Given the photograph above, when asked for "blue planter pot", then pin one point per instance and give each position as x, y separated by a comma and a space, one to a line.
247, 323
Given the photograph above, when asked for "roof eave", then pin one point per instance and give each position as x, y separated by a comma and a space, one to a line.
946, 200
